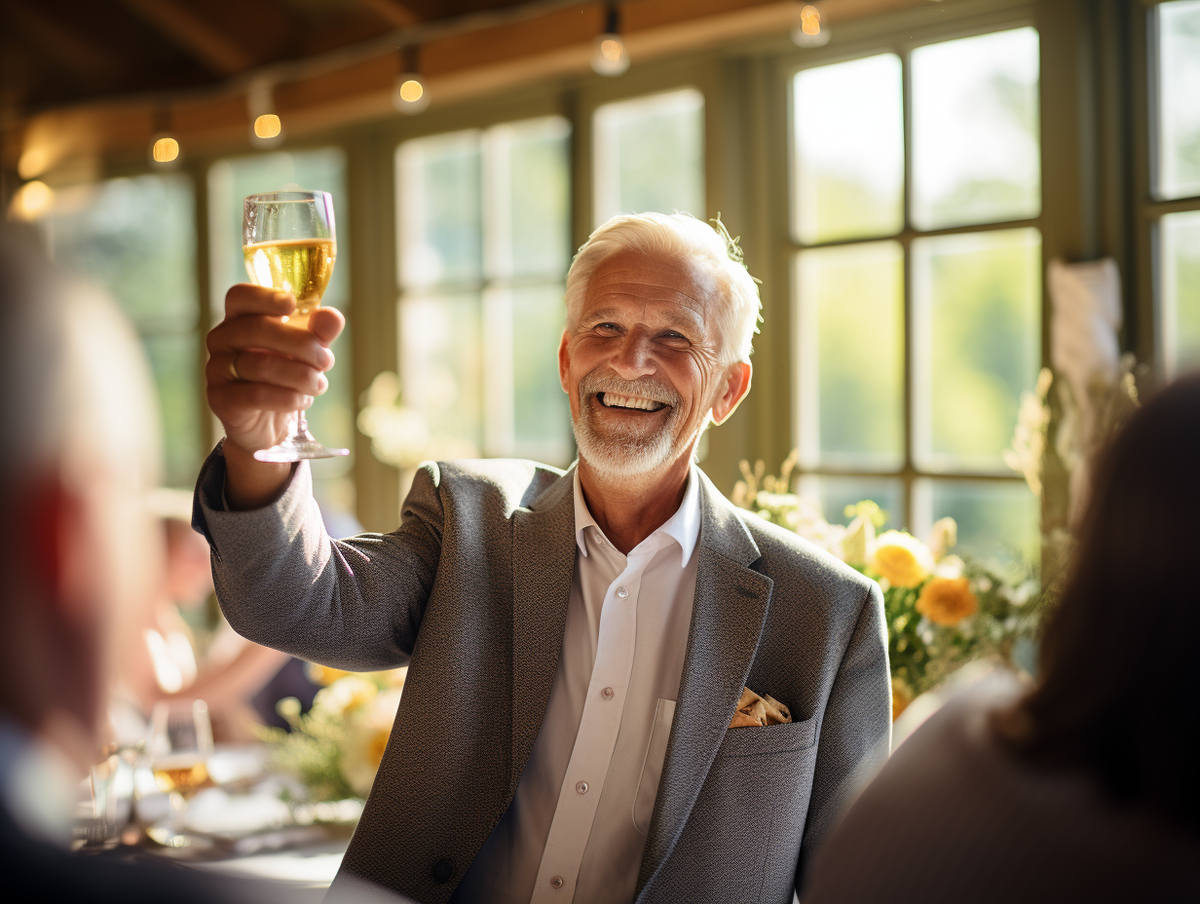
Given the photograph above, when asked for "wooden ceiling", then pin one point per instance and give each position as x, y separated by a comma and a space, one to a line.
84, 84
57, 53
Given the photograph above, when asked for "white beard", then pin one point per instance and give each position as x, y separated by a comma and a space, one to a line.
615, 452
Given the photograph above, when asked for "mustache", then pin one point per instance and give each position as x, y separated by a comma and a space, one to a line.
646, 389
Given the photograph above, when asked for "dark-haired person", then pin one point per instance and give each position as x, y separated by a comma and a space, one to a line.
1085, 787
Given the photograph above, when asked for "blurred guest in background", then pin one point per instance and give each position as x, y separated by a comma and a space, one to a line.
1084, 788
224, 669
77, 456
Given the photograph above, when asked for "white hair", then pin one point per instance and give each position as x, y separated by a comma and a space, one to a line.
683, 237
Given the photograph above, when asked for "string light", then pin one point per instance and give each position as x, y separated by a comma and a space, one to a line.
266, 127
810, 32
609, 56
164, 147
410, 95
31, 201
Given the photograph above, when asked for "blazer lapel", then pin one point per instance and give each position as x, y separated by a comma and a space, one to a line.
727, 618
543, 564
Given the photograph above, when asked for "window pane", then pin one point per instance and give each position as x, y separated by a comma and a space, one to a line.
850, 347
836, 493
439, 205
174, 365
136, 237
997, 520
541, 413
1180, 281
331, 417
1179, 86
977, 322
649, 155
528, 224
849, 150
441, 368
975, 130
231, 180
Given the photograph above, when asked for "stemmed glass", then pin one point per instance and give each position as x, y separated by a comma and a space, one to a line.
289, 242
179, 747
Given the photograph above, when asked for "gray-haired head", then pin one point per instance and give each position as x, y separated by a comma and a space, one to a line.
683, 237
75, 390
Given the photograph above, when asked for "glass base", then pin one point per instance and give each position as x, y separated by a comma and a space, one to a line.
298, 448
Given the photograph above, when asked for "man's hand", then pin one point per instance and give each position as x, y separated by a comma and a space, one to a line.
261, 370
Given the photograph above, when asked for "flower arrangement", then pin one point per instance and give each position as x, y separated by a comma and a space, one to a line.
941, 610
335, 748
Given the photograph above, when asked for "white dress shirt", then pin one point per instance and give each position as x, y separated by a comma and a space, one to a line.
576, 828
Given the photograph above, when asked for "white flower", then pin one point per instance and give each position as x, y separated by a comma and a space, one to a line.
367, 733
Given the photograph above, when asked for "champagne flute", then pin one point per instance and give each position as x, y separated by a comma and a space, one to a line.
289, 242
180, 745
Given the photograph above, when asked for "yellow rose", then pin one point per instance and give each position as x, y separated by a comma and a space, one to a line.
947, 601
901, 559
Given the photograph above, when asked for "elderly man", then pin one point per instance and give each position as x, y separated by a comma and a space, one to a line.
79, 551
579, 643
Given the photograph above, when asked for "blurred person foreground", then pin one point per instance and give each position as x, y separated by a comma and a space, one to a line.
79, 548
1085, 786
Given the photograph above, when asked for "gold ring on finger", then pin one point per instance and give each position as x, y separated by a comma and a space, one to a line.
233, 367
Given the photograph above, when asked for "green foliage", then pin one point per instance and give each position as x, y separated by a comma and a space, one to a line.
311, 751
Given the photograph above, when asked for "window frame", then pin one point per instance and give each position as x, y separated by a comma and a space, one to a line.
911, 476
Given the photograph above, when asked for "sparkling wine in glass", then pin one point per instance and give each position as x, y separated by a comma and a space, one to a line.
179, 746
289, 242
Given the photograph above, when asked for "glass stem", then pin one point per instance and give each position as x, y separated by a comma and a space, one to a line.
301, 424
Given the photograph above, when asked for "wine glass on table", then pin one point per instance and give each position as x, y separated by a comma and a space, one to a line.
289, 242
179, 746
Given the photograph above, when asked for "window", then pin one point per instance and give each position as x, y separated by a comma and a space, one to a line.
649, 155
1175, 207
136, 238
917, 281
331, 417
484, 245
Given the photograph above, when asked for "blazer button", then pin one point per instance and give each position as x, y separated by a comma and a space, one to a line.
443, 870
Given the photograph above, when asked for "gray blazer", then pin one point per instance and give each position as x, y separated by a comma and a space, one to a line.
472, 592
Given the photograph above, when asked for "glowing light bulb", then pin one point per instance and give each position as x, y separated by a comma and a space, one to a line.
809, 32
267, 126
609, 56
810, 21
410, 94
31, 201
165, 149
34, 161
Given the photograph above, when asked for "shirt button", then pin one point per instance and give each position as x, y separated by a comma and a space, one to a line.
607, 693
582, 787
622, 593
556, 882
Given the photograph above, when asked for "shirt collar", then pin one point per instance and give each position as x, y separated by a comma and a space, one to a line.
683, 526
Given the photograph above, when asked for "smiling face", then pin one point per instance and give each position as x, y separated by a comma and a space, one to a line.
642, 364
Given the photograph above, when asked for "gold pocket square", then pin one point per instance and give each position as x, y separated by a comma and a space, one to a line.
754, 710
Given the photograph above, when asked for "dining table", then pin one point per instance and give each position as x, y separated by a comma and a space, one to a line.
248, 822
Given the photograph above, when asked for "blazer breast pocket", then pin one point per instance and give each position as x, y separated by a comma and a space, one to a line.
769, 739
652, 764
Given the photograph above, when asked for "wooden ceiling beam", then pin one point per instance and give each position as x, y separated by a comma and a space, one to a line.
188, 31
393, 12
66, 49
